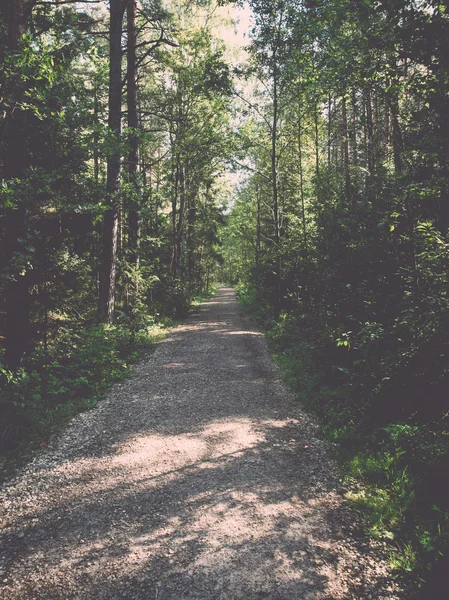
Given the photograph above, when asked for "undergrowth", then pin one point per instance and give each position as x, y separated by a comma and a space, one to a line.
204, 295
71, 376
396, 470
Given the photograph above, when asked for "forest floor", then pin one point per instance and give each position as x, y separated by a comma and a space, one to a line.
197, 478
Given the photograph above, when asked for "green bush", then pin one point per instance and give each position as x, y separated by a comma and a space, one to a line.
71, 376
396, 469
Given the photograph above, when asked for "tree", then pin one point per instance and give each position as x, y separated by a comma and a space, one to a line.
108, 269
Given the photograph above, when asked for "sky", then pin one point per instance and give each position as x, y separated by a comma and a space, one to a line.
238, 35
237, 38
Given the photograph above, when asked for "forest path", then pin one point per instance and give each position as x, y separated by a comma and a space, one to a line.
197, 478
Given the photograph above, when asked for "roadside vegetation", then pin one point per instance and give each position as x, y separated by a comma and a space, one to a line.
395, 470
52, 386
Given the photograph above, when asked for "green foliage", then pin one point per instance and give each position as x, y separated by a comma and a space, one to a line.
395, 472
73, 375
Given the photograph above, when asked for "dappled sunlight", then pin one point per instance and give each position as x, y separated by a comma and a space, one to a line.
243, 332
195, 479
212, 528
168, 453
162, 455
252, 333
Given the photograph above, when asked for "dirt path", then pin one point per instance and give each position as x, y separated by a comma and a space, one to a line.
198, 478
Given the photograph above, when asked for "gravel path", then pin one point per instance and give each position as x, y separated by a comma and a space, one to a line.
197, 478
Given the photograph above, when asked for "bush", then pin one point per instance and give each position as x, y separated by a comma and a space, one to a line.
396, 461
71, 376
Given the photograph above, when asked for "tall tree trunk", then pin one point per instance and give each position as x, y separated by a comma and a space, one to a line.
353, 133
387, 136
329, 129
258, 227
108, 268
398, 143
346, 150
301, 184
96, 139
174, 203
133, 124
181, 215
369, 133
317, 142
190, 239
275, 188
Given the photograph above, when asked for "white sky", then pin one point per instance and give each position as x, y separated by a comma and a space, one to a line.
231, 23
237, 38
238, 35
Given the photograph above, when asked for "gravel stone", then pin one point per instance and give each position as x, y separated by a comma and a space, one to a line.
199, 478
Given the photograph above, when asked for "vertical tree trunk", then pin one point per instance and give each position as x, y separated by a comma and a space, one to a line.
398, 143
106, 301
174, 203
258, 227
329, 129
387, 136
181, 215
354, 127
346, 150
157, 183
301, 183
96, 135
275, 189
317, 142
133, 124
191, 210
369, 133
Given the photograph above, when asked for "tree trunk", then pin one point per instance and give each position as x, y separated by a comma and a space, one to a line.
258, 227
353, 133
181, 215
346, 151
369, 133
301, 183
398, 143
174, 205
317, 142
275, 190
190, 241
329, 129
96, 139
110, 224
133, 124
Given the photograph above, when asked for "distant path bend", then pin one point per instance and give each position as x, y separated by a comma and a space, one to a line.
198, 478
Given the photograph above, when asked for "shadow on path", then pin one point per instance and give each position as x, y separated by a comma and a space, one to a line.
197, 478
